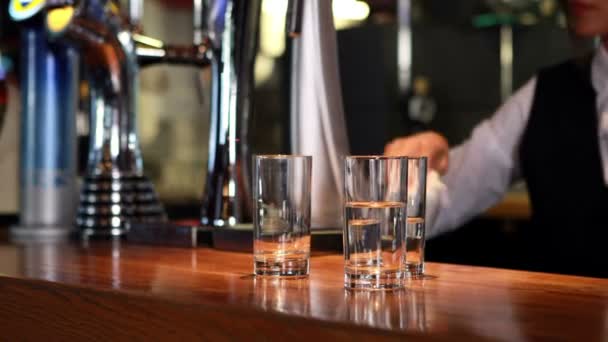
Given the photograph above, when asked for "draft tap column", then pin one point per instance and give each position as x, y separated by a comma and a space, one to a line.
49, 83
232, 29
115, 191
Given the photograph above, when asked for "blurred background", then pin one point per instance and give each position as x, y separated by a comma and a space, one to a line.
405, 65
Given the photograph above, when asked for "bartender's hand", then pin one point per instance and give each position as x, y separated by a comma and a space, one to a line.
429, 144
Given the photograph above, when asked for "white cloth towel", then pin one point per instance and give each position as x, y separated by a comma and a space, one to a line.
317, 115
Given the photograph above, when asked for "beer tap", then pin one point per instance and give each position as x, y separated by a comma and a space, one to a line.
225, 38
232, 33
115, 191
48, 170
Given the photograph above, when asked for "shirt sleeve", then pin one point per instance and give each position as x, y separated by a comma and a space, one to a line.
482, 168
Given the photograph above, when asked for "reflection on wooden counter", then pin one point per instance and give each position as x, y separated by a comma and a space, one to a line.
117, 290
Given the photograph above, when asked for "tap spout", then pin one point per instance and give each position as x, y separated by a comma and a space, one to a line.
151, 51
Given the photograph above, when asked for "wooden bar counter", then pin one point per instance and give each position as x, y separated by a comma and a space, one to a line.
109, 291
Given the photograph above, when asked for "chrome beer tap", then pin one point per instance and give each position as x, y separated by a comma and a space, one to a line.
225, 37
228, 29
115, 191
232, 30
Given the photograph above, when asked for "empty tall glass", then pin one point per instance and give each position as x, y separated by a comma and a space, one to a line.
416, 205
375, 211
281, 196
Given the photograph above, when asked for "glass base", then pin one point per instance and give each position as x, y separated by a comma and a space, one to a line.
281, 268
414, 270
389, 280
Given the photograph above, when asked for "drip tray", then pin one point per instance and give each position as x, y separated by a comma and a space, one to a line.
238, 239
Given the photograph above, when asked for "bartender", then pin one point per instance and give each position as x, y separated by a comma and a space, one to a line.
552, 133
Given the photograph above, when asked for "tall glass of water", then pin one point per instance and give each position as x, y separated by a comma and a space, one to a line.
375, 219
416, 206
281, 196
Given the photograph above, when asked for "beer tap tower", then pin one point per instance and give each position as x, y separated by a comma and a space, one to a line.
115, 191
48, 90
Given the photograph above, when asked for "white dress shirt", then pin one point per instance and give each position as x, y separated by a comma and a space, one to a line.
483, 168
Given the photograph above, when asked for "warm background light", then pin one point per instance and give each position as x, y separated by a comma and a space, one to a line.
347, 13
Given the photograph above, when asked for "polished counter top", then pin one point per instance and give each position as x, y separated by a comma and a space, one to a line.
106, 289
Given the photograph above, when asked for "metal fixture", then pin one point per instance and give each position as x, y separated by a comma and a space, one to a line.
115, 191
404, 46
47, 185
232, 30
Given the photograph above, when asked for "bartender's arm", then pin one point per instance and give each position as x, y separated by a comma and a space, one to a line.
475, 175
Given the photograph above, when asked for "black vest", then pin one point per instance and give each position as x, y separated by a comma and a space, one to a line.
560, 161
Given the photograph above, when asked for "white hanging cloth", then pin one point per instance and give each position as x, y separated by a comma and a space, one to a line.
318, 126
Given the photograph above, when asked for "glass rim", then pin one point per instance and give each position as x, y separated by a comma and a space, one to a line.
419, 158
281, 156
375, 157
